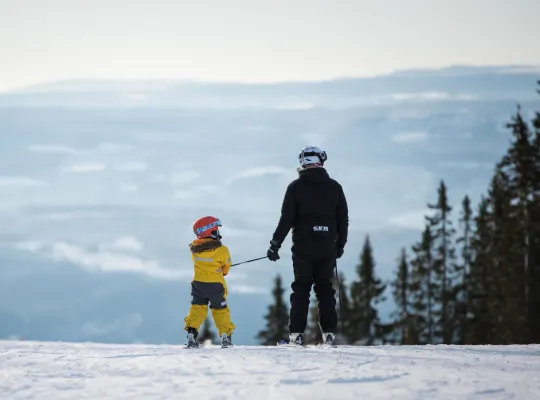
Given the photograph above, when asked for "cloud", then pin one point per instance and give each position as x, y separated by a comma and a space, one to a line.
420, 96
431, 96
194, 192
410, 220
160, 178
71, 215
110, 261
467, 165
54, 149
20, 181
260, 171
85, 168
103, 260
527, 69
183, 177
256, 128
236, 232
127, 188
131, 166
410, 137
57, 216
128, 243
314, 139
32, 246
68, 150
113, 147
137, 97
295, 103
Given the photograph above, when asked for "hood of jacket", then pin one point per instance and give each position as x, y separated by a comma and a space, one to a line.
314, 174
200, 245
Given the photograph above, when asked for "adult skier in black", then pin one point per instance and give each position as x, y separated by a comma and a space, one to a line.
315, 207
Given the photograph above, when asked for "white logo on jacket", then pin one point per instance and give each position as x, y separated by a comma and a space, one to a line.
320, 229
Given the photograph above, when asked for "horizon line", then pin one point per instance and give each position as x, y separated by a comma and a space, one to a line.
498, 68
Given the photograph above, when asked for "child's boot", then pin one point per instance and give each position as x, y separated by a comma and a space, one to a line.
226, 340
192, 337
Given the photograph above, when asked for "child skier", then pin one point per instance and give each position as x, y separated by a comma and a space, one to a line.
211, 261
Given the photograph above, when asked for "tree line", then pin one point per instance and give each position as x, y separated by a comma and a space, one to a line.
474, 283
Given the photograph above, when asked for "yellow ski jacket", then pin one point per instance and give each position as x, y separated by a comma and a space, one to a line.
211, 260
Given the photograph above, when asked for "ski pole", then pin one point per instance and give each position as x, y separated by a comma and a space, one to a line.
248, 261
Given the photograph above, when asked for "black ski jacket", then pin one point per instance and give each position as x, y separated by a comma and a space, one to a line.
315, 207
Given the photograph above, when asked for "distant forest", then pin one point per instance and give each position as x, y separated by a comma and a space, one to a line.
475, 283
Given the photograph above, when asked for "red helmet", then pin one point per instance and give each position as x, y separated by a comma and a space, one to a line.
207, 227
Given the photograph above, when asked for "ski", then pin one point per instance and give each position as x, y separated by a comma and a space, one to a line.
284, 343
326, 346
186, 347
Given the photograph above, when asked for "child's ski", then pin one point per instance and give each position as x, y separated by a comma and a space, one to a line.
188, 347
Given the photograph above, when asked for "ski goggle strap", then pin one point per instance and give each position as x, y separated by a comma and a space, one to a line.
210, 226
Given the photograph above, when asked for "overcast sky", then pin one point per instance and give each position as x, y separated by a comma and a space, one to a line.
257, 40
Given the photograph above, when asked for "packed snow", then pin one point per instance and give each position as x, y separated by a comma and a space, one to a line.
56, 370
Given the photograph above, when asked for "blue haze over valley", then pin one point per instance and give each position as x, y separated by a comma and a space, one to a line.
100, 182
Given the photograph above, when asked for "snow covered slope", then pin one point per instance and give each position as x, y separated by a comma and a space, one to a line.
51, 371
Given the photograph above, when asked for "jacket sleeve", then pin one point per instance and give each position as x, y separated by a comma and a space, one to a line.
226, 260
288, 216
342, 219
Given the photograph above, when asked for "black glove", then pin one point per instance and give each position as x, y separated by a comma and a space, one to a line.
272, 252
340, 251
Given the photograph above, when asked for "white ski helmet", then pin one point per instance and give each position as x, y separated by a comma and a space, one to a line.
312, 155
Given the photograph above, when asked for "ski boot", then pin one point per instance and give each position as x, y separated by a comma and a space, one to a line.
192, 338
329, 339
296, 339
226, 340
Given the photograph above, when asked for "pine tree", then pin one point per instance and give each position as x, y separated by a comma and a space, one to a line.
444, 267
462, 289
500, 258
534, 309
206, 333
519, 165
365, 294
478, 319
423, 288
403, 324
277, 318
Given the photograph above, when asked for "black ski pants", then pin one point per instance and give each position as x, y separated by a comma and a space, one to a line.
316, 273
